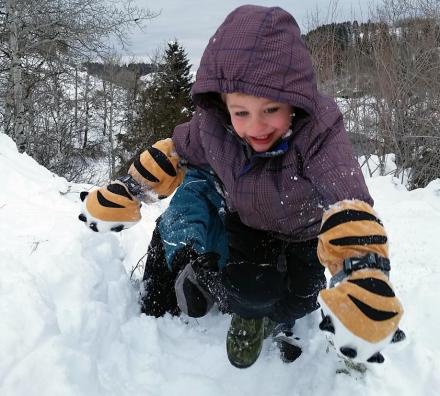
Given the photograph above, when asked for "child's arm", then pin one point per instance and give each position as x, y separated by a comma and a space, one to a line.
360, 306
329, 161
154, 174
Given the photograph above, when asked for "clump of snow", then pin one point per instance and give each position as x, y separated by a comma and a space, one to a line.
70, 321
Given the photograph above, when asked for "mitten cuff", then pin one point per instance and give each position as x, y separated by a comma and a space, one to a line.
350, 228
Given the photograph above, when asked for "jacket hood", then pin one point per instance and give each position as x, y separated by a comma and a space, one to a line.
257, 51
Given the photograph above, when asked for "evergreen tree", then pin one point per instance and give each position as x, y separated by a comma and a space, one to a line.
164, 103
175, 76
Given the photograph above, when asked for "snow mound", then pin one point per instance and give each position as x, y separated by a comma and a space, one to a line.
70, 321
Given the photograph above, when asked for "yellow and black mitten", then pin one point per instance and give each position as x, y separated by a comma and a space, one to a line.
360, 307
155, 173
110, 208
158, 169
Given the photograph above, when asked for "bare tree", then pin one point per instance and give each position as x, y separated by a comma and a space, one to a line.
35, 31
407, 87
15, 94
386, 81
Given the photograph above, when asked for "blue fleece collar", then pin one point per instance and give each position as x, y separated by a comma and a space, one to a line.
251, 156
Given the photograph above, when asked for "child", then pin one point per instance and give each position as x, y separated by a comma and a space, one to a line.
269, 194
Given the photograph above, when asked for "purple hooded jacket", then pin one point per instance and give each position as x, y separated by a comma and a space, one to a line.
259, 51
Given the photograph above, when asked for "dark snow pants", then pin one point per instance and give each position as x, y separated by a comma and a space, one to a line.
265, 275
270, 276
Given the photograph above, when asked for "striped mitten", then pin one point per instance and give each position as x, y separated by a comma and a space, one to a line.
110, 208
154, 174
360, 308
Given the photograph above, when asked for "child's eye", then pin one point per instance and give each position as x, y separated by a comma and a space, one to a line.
241, 113
271, 110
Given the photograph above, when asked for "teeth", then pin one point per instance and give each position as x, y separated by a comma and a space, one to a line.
261, 137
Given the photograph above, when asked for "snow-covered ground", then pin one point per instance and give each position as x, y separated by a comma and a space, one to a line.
70, 322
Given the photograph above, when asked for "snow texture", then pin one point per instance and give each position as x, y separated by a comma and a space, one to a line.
70, 321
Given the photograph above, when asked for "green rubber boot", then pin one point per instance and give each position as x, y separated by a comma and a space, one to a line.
244, 341
269, 327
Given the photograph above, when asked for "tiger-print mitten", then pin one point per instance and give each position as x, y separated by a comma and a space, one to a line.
155, 173
158, 168
110, 208
360, 308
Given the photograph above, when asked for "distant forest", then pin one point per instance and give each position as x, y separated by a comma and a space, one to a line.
106, 70
345, 54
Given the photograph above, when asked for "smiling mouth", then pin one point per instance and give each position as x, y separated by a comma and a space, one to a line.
264, 137
261, 139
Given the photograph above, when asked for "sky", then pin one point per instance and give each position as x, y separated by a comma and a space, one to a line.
70, 322
193, 22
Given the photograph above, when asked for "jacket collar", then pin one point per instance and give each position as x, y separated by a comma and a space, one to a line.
279, 149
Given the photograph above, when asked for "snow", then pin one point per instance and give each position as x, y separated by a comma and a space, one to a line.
70, 321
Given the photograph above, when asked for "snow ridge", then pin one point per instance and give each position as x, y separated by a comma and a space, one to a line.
70, 321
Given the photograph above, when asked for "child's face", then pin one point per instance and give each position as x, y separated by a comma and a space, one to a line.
260, 121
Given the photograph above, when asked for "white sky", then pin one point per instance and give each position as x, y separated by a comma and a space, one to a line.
193, 22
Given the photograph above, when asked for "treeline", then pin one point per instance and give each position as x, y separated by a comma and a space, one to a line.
106, 71
386, 76
337, 46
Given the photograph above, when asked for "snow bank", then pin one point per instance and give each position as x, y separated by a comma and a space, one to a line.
70, 322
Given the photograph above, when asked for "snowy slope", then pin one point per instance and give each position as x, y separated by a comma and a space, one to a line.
70, 323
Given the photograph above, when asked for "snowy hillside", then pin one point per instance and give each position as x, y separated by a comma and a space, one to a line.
70, 323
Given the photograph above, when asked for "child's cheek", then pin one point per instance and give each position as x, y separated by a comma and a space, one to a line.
238, 127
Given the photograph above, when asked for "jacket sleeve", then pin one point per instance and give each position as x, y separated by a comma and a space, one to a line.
350, 227
329, 161
188, 140
194, 218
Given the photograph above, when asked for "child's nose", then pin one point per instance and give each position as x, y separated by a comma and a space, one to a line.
257, 124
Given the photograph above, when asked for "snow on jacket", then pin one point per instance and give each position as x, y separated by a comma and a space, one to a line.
259, 51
